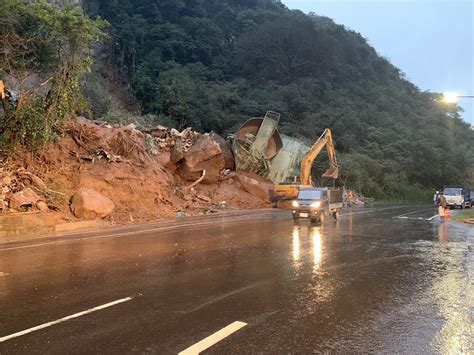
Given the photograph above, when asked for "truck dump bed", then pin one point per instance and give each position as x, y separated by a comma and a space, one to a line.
335, 197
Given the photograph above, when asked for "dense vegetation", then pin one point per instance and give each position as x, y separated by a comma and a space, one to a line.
212, 64
44, 50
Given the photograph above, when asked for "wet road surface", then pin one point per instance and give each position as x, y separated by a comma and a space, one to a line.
389, 279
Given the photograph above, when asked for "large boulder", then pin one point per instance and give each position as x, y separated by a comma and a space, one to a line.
165, 159
90, 204
177, 152
226, 148
204, 154
254, 186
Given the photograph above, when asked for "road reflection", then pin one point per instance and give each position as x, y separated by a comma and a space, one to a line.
296, 245
316, 248
301, 237
454, 295
442, 232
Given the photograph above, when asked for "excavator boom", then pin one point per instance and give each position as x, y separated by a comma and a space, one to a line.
325, 140
288, 191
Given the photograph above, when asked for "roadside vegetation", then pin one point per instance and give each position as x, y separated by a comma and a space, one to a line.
466, 215
44, 50
213, 64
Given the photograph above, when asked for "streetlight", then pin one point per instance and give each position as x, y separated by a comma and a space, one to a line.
452, 97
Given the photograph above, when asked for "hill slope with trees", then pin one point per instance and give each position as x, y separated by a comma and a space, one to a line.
212, 64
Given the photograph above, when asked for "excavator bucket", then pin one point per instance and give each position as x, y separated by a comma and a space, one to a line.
332, 172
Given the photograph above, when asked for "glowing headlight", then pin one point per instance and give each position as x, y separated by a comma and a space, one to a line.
295, 204
316, 204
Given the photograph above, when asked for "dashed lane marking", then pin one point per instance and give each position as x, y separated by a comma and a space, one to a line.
57, 321
433, 217
213, 339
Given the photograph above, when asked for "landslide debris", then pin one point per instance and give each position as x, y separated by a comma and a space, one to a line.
123, 174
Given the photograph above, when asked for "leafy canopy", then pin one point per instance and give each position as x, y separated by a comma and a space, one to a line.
44, 49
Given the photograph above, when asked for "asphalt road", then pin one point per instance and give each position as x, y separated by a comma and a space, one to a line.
389, 279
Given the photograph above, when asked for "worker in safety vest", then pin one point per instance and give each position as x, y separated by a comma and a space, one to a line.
349, 199
2, 89
442, 205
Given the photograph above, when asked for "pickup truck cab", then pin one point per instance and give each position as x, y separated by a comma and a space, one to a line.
316, 203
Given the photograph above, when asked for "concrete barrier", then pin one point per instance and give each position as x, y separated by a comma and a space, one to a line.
30, 226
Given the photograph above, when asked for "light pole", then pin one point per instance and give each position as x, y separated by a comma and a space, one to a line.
452, 97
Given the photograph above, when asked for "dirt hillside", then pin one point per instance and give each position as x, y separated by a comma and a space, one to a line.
147, 175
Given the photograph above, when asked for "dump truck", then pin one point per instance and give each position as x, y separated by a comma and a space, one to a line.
457, 196
288, 190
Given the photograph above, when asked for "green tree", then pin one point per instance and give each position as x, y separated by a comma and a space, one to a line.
40, 40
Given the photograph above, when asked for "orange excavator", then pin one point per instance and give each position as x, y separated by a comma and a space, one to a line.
288, 190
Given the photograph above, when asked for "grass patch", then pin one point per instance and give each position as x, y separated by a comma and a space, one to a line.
466, 215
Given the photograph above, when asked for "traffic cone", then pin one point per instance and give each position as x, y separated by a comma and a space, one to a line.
447, 214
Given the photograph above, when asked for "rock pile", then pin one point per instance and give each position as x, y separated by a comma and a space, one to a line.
21, 190
124, 174
166, 139
193, 154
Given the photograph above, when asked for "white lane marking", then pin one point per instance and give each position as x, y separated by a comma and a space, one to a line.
412, 218
57, 321
370, 211
406, 214
118, 235
431, 218
4, 274
213, 339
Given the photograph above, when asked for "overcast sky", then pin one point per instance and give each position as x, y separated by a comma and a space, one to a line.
430, 40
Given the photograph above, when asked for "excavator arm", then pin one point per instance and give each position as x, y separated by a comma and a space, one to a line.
325, 140
3, 98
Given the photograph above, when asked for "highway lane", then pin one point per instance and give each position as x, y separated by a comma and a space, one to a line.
372, 282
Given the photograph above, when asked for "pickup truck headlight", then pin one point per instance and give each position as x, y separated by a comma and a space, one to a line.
316, 204
295, 204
